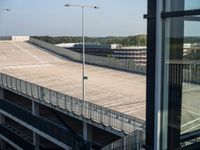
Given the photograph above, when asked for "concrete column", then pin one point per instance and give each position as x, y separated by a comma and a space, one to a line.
1, 93
123, 143
36, 139
35, 108
87, 132
2, 119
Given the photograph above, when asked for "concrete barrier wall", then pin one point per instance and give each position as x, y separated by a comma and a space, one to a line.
58, 50
121, 64
20, 38
2, 38
15, 38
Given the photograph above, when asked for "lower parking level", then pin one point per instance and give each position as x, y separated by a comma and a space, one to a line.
38, 125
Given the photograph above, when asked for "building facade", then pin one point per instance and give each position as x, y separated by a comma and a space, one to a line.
135, 54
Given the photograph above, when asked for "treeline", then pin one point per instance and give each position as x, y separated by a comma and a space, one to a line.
138, 40
191, 39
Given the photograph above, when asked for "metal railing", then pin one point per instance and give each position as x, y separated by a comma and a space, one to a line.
189, 141
122, 64
134, 141
191, 73
102, 115
54, 130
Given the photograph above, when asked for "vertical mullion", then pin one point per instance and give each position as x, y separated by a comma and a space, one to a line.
150, 88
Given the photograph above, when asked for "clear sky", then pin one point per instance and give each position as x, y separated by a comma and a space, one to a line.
50, 17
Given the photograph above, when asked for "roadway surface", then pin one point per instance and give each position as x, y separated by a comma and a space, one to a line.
190, 120
120, 91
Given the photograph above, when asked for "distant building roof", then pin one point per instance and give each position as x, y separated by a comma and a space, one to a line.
135, 47
88, 45
66, 45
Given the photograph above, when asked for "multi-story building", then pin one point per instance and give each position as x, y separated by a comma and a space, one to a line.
136, 54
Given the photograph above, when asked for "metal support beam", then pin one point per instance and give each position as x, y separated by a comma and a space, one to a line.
158, 66
151, 63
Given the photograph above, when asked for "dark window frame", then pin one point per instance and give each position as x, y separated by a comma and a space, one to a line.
180, 13
151, 63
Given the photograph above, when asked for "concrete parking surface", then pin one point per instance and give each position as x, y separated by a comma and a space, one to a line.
120, 91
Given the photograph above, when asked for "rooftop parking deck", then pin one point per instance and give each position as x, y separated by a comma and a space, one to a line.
117, 90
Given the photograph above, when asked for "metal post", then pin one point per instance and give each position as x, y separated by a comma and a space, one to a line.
84, 77
157, 113
83, 65
87, 131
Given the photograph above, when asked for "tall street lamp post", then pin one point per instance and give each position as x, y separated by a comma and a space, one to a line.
84, 77
86, 129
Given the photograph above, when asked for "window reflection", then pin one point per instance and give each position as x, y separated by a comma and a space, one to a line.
182, 75
179, 5
191, 77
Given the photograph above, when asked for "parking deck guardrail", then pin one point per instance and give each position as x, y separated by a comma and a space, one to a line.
99, 114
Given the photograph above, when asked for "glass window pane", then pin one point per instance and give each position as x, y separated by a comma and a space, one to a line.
192, 4
178, 5
191, 78
182, 74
